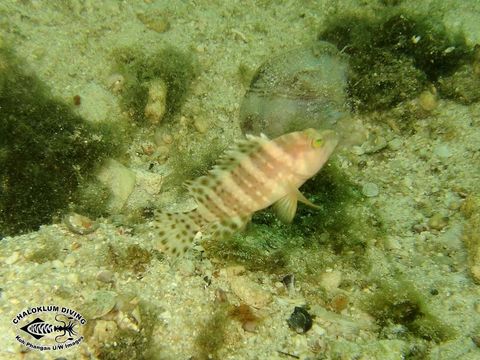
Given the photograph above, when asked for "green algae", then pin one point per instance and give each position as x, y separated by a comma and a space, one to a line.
176, 68
133, 258
398, 303
46, 150
394, 55
212, 333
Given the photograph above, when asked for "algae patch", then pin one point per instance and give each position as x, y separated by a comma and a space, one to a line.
174, 68
395, 55
211, 336
133, 258
46, 150
402, 311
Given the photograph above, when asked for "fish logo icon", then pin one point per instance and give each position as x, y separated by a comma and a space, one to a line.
39, 328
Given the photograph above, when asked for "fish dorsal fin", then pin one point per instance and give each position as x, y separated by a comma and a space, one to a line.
286, 207
226, 163
234, 154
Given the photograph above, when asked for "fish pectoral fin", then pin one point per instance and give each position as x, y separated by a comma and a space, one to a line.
304, 200
286, 207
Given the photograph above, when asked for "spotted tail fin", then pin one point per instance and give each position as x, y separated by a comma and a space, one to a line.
176, 231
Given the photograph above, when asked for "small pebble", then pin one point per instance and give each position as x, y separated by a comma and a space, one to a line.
116, 82
201, 125
98, 304
79, 224
12, 259
339, 303
370, 189
375, 144
289, 282
157, 101
442, 151
395, 144
428, 100
477, 307
476, 340
105, 276
437, 221
330, 281
250, 292
70, 260
104, 331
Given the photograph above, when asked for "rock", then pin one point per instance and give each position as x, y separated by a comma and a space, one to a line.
330, 281
104, 331
116, 83
370, 189
250, 292
12, 259
395, 144
297, 89
120, 180
300, 320
97, 104
437, 221
157, 101
79, 224
98, 304
428, 100
442, 151
70, 260
201, 125
106, 276
147, 185
156, 21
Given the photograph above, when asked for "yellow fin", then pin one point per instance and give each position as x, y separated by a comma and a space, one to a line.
304, 200
286, 207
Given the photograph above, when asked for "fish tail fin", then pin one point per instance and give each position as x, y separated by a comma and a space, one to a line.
175, 232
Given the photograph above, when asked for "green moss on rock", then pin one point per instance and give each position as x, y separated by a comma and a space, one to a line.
45, 149
394, 55
211, 335
176, 68
133, 258
398, 302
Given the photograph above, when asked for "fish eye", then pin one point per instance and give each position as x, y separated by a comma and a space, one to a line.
318, 142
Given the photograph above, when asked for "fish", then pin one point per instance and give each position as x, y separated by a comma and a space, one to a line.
255, 173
